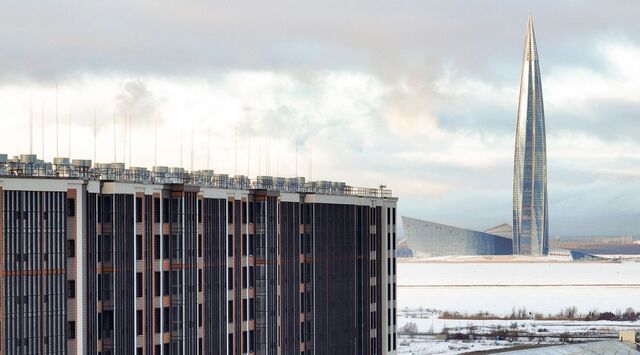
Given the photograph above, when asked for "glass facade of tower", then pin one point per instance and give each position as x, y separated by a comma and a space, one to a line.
530, 203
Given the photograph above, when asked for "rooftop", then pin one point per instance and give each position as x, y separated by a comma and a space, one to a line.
28, 165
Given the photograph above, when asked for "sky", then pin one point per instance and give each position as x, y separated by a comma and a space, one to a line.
420, 96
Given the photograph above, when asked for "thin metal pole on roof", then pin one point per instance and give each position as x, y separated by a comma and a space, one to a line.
94, 136
57, 130
31, 126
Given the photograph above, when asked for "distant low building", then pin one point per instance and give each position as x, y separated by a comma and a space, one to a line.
428, 239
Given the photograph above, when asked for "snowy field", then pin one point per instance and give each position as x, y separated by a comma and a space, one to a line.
500, 287
429, 322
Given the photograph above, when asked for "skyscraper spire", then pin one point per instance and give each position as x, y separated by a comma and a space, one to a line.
530, 202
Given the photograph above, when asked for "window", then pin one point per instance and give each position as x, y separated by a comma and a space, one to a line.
250, 212
139, 209
244, 213
373, 242
199, 211
139, 322
71, 207
71, 289
244, 340
230, 245
199, 280
251, 249
251, 306
71, 248
230, 311
251, 276
156, 247
200, 315
156, 210
165, 246
165, 210
230, 279
244, 309
138, 247
157, 320
244, 245
244, 277
156, 284
230, 212
71, 330
138, 284
199, 245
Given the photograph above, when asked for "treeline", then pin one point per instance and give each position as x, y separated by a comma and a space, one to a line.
569, 313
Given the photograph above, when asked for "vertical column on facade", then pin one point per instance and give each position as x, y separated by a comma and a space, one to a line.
389, 277
215, 275
73, 316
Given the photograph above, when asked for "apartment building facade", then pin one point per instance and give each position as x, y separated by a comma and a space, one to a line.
125, 261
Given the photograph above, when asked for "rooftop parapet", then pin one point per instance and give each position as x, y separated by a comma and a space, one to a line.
30, 165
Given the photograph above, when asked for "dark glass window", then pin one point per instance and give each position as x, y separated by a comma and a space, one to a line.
71, 330
139, 323
71, 248
138, 284
156, 247
230, 212
71, 207
156, 210
139, 209
71, 289
138, 247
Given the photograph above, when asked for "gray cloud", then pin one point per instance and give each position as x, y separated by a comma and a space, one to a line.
137, 102
407, 45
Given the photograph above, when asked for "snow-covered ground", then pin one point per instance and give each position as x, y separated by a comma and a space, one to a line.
430, 322
500, 287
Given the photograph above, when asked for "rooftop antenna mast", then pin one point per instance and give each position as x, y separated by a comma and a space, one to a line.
296, 156
181, 143
155, 140
42, 124
208, 147
191, 148
69, 138
124, 141
57, 130
115, 155
94, 136
130, 140
235, 168
249, 153
31, 126
259, 160
310, 160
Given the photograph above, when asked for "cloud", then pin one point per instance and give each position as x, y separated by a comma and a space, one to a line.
138, 102
420, 96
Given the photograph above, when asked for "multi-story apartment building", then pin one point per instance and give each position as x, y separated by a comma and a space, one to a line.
108, 260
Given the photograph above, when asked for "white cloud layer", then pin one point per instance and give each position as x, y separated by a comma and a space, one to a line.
396, 95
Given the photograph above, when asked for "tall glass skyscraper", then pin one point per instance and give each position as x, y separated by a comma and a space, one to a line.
530, 206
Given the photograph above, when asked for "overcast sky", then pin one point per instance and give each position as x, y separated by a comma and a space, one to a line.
418, 95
